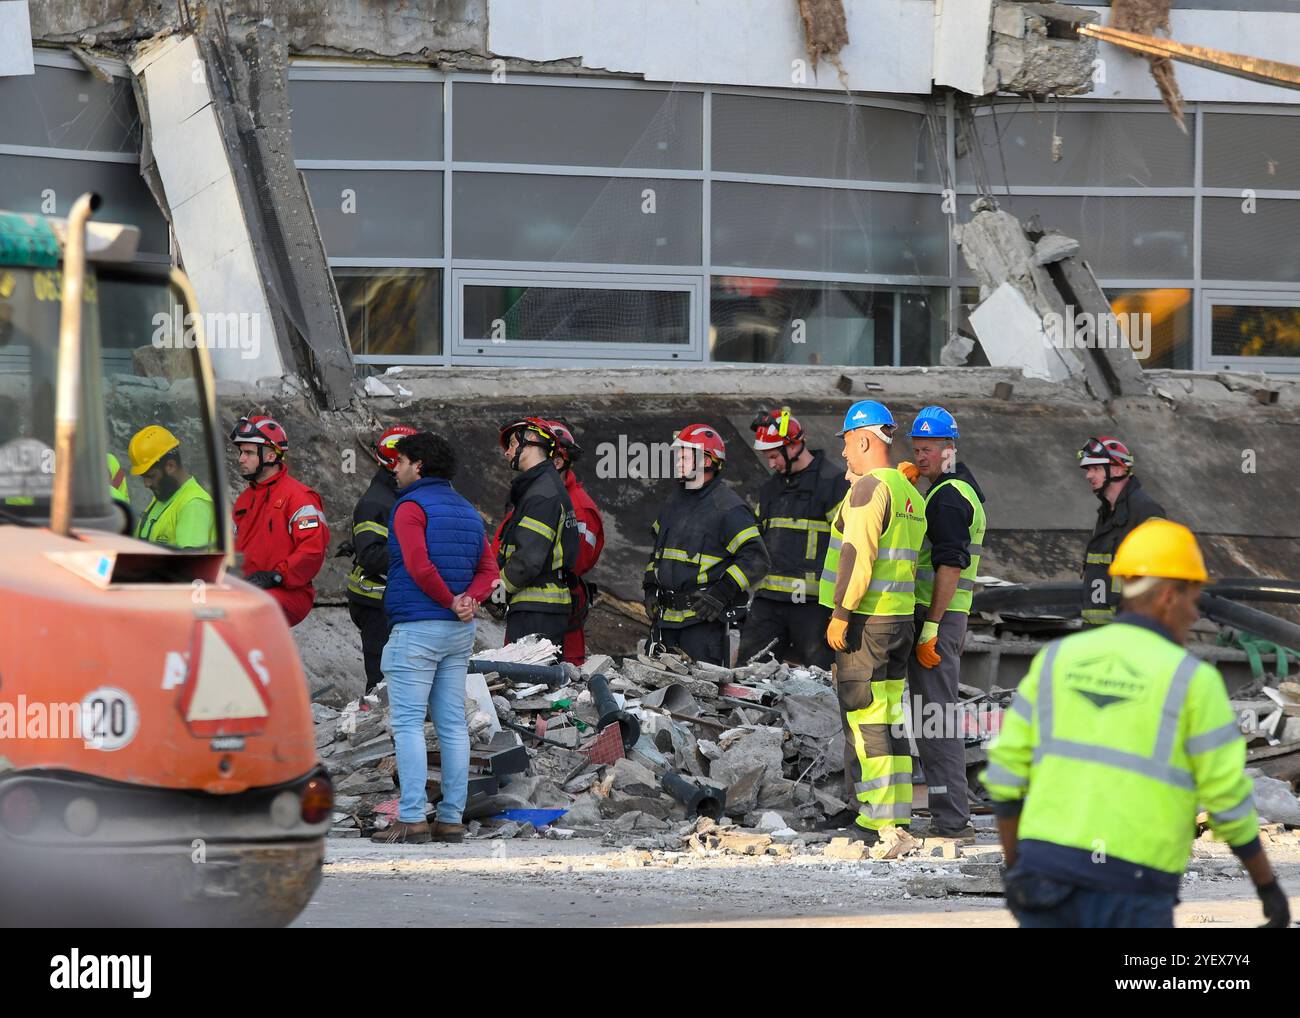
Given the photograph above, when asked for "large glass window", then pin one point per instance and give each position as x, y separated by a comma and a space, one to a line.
1252, 150
59, 107
391, 311
1250, 239
372, 120
763, 320
823, 229
378, 213
837, 140
1122, 238
500, 313
1254, 330
569, 126
50, 186
1158, 322
1098, 147
544, 218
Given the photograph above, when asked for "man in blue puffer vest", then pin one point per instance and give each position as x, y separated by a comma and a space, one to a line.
440, 568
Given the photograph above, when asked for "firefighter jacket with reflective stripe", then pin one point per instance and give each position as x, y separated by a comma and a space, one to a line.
539, 542
1100, 589
280, 526
884, 514
703, 537
794, 516
186, 520
1115, 738
453, 541
370, 521
954, 536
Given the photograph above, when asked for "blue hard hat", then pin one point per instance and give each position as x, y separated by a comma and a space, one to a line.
935, 422
864, 414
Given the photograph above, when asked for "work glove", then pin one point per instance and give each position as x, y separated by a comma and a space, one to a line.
1276, 909
265, 578
908, 469
927, 647
837, 634
650, 601
709, 605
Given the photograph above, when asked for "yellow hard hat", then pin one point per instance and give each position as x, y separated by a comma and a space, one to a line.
1160, 548
149, 445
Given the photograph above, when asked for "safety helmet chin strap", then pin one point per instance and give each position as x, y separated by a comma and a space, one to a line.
521, 434
275, 461
789, 460
701, 458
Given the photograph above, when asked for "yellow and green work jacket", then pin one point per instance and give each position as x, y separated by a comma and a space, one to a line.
1115, 739
186, 520
954, 536
539, 542
870, 566
703, 537
370, 519
794, 517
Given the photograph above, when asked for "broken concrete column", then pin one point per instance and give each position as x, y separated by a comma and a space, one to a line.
1031, 55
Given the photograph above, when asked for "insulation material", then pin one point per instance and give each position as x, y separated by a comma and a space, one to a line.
825, 32
1151, 17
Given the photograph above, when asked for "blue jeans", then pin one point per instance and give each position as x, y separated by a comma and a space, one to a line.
1086, 908
425, 664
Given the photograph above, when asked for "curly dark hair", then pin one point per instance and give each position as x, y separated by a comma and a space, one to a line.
433, 453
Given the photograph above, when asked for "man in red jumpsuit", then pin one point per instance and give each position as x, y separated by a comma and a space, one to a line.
591, 537
279, 523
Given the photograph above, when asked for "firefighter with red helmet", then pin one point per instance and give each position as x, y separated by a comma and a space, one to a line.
707, 556
591, 539
369, 550
537, 543
280, 526
1108, 467
795, 508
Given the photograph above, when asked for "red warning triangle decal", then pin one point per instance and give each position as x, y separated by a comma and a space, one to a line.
221, 695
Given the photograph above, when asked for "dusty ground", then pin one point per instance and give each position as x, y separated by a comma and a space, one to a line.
582, 883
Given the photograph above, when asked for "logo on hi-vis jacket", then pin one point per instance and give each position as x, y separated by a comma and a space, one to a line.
909, 507
1105, 681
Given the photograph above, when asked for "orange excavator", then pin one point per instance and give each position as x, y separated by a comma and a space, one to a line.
157, 754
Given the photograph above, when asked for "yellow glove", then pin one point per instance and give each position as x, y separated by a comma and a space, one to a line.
927, 646
837, 634
908, 469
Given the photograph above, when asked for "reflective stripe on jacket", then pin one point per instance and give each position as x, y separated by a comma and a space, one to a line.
538, 544
703, 537
962, 596
1115, 738
892, 587
794, 516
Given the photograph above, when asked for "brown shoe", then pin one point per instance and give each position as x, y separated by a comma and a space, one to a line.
447, 832
399, 833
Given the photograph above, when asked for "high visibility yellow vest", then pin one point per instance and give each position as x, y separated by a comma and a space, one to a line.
892, 590
161, 522
1114, 740
961, 598
118, 491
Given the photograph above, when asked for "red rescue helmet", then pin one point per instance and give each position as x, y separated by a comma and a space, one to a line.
536, 426
259, 429
386, 447
776, 429
704, 438
1104, 451
566, 446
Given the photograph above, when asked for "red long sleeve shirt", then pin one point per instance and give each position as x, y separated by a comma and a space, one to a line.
410, 524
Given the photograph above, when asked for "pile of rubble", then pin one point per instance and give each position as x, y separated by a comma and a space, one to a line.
655, 752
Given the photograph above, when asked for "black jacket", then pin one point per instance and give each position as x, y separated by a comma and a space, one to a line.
1100, 591
701, 538
370, 540
948, 518
794, 516
539, 542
